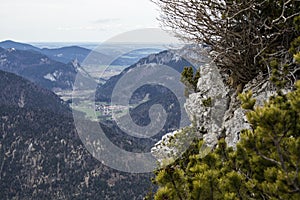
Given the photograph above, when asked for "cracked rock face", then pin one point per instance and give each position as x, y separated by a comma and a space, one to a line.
224, 115
235, 119
208, 106
234, 125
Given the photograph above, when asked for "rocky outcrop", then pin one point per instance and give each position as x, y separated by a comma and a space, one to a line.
173, 145
161, 150
208, 106
235, 118
216, 110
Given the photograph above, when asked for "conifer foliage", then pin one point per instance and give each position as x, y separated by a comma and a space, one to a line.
190, 79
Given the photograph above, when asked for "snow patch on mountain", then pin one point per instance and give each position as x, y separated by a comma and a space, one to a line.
50, 77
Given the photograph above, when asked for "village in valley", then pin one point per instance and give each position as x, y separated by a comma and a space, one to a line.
107, 110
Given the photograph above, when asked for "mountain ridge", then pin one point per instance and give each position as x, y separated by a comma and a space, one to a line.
38, 68
166, 57
62, 54
19, 92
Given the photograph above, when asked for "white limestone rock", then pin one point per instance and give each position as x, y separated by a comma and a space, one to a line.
208, 106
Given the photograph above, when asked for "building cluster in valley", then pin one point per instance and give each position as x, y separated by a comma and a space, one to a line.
107, 109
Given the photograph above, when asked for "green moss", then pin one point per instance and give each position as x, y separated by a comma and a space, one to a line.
207, 102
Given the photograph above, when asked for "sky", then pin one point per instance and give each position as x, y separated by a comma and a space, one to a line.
73, 20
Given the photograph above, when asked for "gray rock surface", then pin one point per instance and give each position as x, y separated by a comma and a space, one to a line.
216, 110
235, 118
208, 106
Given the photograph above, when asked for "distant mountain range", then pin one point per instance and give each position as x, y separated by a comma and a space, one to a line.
64, 54
38, 68
56, 69
167, 58
70, 53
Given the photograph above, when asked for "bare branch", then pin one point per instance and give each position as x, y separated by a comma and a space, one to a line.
245, 34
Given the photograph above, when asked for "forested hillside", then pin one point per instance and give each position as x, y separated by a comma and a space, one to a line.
19, 92
42, 156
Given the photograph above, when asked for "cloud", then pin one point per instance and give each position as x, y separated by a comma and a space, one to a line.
106, 20
81, 28
95, 27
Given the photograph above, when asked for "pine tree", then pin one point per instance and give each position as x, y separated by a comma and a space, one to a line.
190, 79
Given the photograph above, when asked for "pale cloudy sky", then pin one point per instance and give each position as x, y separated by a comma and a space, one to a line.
73, 20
